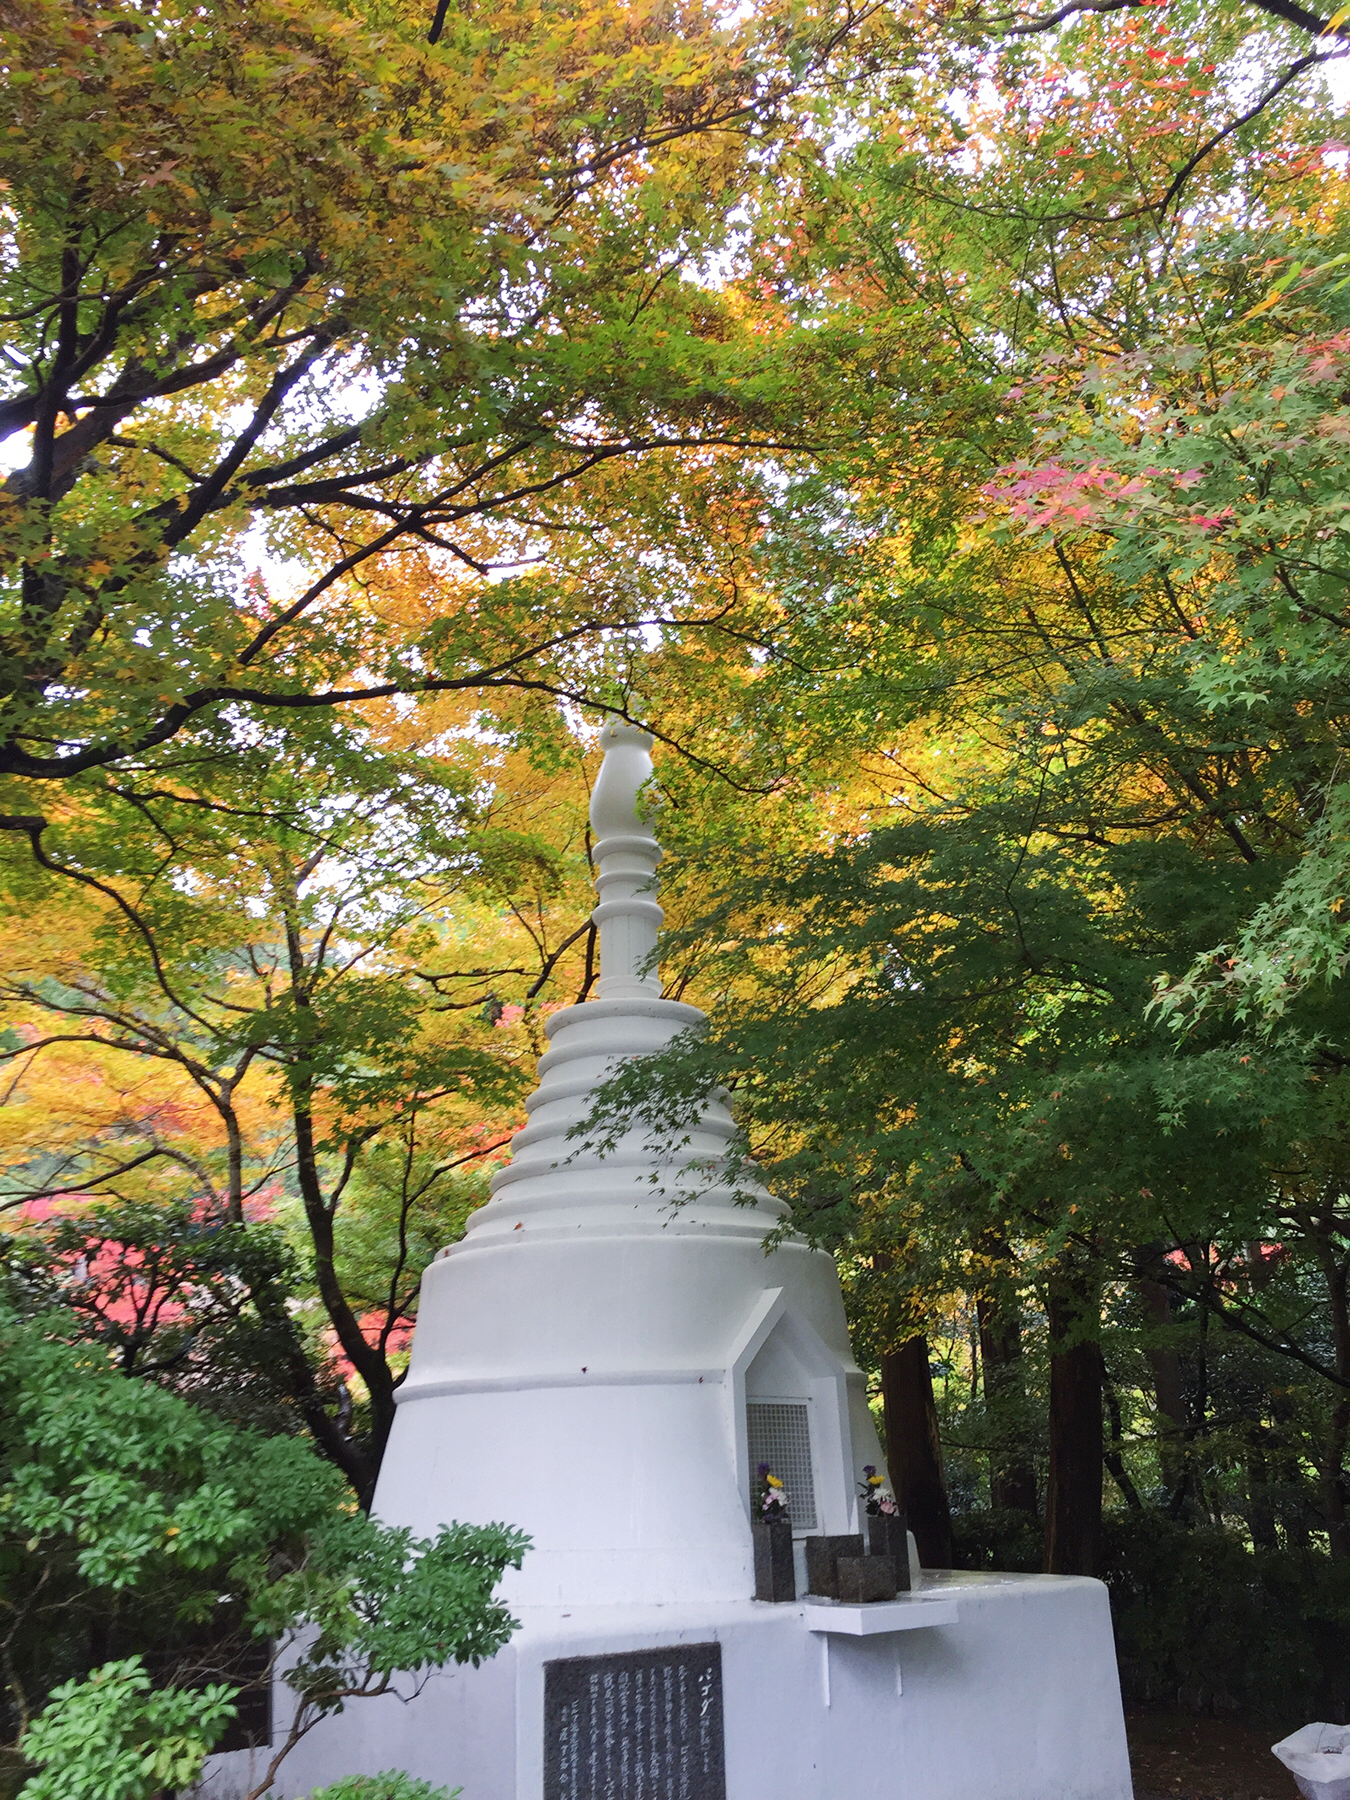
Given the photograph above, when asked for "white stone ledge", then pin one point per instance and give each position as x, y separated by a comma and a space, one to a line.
500, 1384
877, 1617
592, 1014
539, 1226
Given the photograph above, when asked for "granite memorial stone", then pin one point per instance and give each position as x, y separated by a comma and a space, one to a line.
775, 1572
888, 1536
639, 1725
863, 1578
822, 1562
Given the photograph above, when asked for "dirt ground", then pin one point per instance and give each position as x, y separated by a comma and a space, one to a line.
1176, 1756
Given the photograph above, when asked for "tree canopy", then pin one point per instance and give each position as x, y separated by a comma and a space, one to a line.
932, 423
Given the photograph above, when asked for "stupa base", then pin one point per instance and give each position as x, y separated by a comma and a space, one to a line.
975, 1687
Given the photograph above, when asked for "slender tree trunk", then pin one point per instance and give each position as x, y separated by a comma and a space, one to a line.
1335, 1487
1291, 1484
329, 1433
1260, 1512
1169, 1394
1012, 1474
1073, 1505
1114, 1461
913, 1450
234, 1203
368, 1361
364, 1357
1202, 1483
234, 1190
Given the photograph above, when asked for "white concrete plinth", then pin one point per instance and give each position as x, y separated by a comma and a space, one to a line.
1017, 1699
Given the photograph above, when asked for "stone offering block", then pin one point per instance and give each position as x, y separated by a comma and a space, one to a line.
822, 1557
775, 1572
888, 1535
863, 1578
641, 1725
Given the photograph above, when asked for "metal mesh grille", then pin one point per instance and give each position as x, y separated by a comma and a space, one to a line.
778, 1434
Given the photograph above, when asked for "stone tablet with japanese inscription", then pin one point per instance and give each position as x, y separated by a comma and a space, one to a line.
641, 1725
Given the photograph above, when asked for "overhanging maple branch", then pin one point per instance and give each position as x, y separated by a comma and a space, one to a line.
1286, 10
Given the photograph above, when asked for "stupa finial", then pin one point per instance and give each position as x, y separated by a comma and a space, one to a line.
625, 856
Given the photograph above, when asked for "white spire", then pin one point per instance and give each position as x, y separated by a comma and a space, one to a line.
555, 1182
626, 854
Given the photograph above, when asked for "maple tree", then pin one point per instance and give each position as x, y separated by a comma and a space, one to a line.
322, 1034
293, 297
946, 458
1248, 530
1288, 12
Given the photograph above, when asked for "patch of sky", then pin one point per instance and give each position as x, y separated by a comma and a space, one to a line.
16, 450
1336, 76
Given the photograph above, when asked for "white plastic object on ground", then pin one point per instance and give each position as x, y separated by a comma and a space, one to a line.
1318, 1758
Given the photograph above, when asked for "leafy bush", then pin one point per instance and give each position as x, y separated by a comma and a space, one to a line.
1201, 1621
1205, 1623
129, 1521
114, 1738
998, 1538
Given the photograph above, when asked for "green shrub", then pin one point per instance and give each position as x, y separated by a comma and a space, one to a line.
126, 1514
998, 1538
114, 1738
1205, 1623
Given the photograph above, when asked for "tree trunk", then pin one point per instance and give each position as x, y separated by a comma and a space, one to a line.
330, 1435
1114, 1461
1260, 1512
1290, 1483
913, 1451
1073, 1504
365, 1358
369, 1362
1012, 1475
1336, 1499
1169, 1394
1335, 1486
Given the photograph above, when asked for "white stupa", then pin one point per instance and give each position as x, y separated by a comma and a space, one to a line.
605, 1370
584, 1359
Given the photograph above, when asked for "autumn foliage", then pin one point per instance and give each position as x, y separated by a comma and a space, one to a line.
933, 425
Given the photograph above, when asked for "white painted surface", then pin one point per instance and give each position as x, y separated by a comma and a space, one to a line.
232, 1775
1017, 1700
878, 1618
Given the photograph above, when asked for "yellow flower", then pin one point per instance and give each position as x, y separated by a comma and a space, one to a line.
773, 1481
